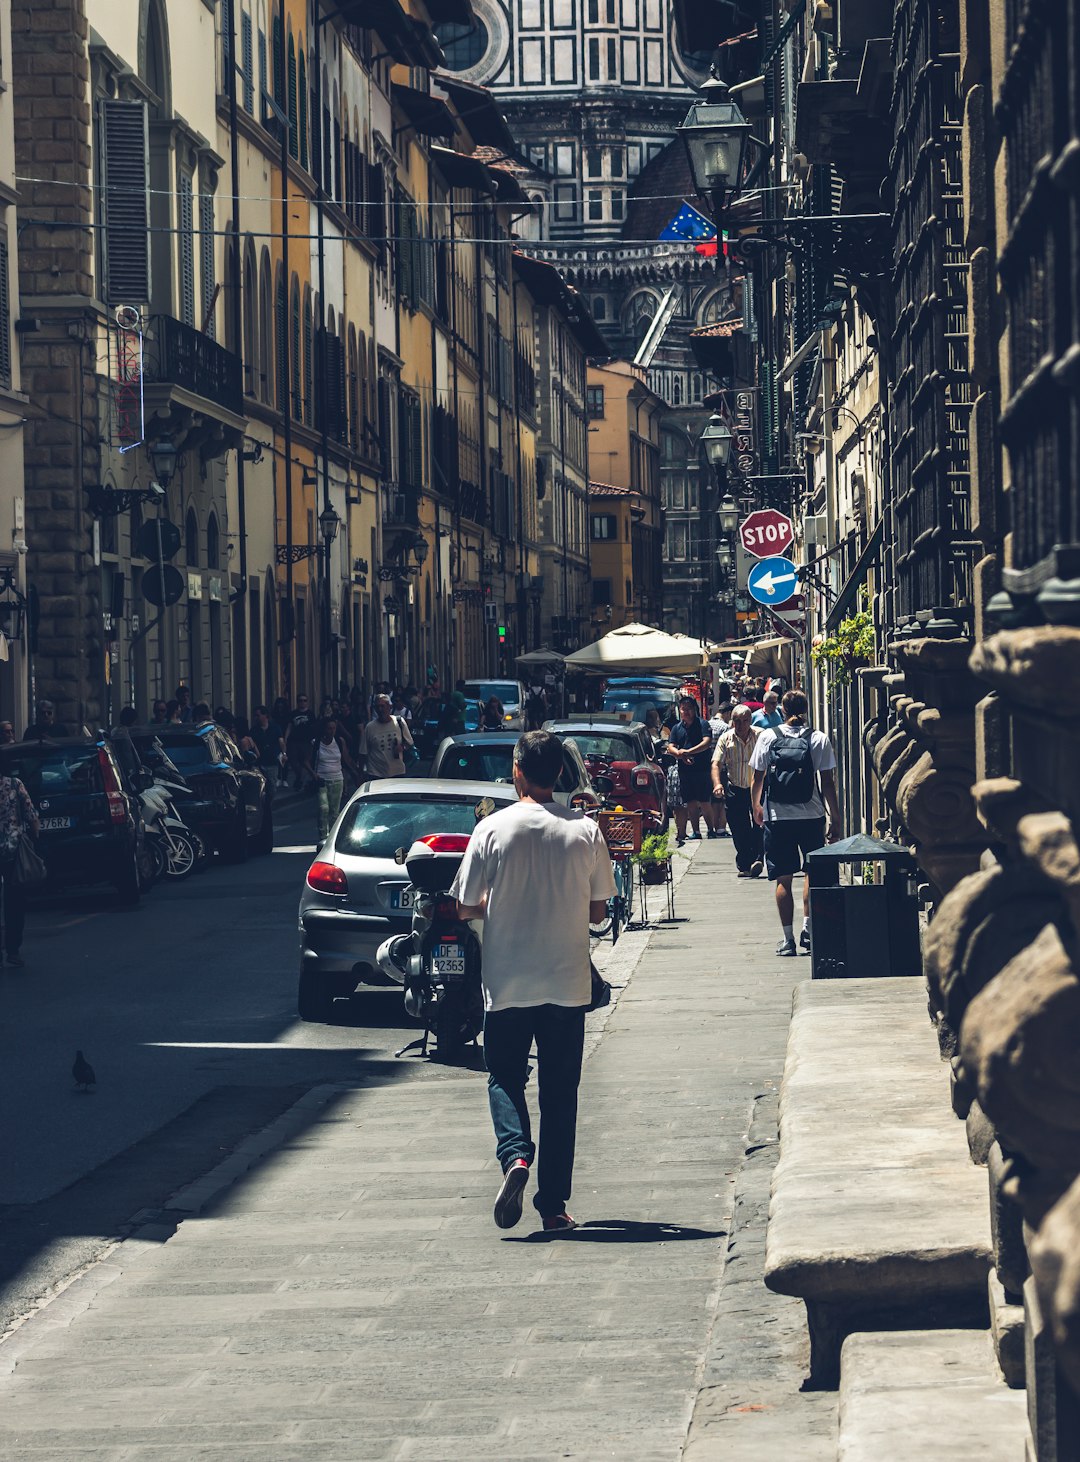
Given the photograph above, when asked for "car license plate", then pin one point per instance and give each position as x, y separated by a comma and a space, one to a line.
54, 824
401, 898
448, 961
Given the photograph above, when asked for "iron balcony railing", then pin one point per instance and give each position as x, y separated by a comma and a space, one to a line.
178, 355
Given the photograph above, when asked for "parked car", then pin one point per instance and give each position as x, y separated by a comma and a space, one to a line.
231, 806
635, 700
623, 752
510, 692
91, 828
488, 756
356, 895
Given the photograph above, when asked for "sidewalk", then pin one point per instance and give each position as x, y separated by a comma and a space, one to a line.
348, 1297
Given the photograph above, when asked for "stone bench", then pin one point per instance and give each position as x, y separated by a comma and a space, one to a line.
878, 1219
927, 1393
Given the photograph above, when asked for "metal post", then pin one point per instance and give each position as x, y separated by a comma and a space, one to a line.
324, 386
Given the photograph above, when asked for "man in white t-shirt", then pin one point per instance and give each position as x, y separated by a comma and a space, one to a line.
537, 873
383, 741
789, 762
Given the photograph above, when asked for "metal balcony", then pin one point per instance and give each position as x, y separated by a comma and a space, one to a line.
178, 355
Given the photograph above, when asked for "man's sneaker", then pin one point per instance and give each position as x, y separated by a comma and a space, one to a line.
756, 869
786, 948
508, 1203
804, 941
560, 1223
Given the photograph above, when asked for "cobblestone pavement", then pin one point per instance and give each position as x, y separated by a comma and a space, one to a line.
345, 1294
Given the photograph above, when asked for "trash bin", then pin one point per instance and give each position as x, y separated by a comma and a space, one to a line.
863, 928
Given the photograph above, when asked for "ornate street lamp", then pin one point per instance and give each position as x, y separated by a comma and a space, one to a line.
163, 455
724, 555
717, 439
714, 133
329, 523
420, 549
728, 513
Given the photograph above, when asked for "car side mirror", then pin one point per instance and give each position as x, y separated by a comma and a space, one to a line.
604, 785
400, 855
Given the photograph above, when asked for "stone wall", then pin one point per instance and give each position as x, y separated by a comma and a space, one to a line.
53, 140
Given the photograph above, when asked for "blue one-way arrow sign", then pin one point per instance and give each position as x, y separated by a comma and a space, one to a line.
772, 580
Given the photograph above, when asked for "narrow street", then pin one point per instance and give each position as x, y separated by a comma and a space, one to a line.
344, 1294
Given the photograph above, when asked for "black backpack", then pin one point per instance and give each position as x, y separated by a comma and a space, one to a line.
791, 777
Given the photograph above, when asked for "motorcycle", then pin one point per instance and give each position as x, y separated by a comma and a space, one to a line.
439, 960
173, 846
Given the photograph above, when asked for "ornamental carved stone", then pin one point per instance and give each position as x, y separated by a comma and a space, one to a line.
1038, 667
1054, 1254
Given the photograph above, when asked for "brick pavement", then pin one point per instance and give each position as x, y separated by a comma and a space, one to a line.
348, 1297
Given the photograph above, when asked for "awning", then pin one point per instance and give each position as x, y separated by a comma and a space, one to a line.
772, 657
462, 171
479, 110
540, 657
428, 114
846, 598
639, 647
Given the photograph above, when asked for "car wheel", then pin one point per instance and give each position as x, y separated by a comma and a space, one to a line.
150, 869
127, 883
314, 997
263, 842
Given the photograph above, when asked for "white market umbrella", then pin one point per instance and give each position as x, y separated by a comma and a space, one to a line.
540, 657
639, 647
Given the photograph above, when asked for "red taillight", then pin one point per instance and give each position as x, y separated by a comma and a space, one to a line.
446, 842
446, 908
327, 878
113, 795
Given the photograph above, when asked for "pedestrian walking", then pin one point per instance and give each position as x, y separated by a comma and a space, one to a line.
7, 733
732, 776
690, 745
327, 758
794, 782
536, 873
384, 742
45, 725
298, 738
160, 714
17, 814
269, 743
182, 697
769, 717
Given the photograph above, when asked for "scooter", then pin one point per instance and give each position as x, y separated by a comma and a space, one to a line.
172, 844
439, 960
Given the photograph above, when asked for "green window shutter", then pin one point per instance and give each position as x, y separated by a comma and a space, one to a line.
303, 112
281, 349
278, 78
262, 64
246, 62
309, 367
124, 150
186, 244
5, 316
208, 257
294, 149
296, 362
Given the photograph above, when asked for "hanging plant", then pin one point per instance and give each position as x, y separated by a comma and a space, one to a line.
852, 645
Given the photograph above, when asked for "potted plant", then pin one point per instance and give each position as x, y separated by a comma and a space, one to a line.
654, 857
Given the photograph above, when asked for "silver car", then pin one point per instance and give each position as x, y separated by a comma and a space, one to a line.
490, 755
355, 895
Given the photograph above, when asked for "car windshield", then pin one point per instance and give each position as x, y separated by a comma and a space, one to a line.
60, 769
503, 690
638, 701
487, 763
375, 827
595, 743
188, 753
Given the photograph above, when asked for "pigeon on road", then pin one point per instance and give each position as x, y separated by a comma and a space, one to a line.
83, 1072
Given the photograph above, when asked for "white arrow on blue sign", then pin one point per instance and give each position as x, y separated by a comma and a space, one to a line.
772, 580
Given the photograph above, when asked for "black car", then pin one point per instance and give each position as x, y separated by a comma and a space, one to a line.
91, 830
230, 806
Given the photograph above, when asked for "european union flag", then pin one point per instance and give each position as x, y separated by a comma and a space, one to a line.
689, 226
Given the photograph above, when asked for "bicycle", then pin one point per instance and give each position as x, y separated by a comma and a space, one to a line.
622, 832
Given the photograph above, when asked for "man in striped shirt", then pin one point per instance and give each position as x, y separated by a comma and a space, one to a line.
731, 773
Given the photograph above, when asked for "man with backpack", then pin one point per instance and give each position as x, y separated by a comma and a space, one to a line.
794, 783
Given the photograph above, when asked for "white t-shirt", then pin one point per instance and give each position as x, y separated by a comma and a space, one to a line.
539, 865
821, 754
381, 745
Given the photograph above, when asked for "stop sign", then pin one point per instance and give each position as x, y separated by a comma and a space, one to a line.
766, 533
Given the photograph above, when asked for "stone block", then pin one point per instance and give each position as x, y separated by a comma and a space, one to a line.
1007, 1329
1006, 1229
980, 1134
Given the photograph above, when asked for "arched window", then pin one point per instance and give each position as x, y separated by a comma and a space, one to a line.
250, 307
599, 308
281, 350
676, 390
295, 363
309, 361
213, 549
191, 539
294, 136
303, 110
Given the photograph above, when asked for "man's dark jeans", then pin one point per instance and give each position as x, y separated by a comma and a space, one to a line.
745, 833
559, 1032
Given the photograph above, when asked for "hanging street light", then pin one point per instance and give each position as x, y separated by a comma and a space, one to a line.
714, 133
728, 513
329, 523
724, 555
163, 455
717, 440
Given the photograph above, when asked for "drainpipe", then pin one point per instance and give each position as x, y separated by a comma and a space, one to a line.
235, 303
285, 375
324, 434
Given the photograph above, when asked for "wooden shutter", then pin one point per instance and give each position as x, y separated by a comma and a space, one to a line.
5, 316
207, 255
126, 207
262, 64
294, 149
247, 62
186, 241
303, 112
281, 348
278, 78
